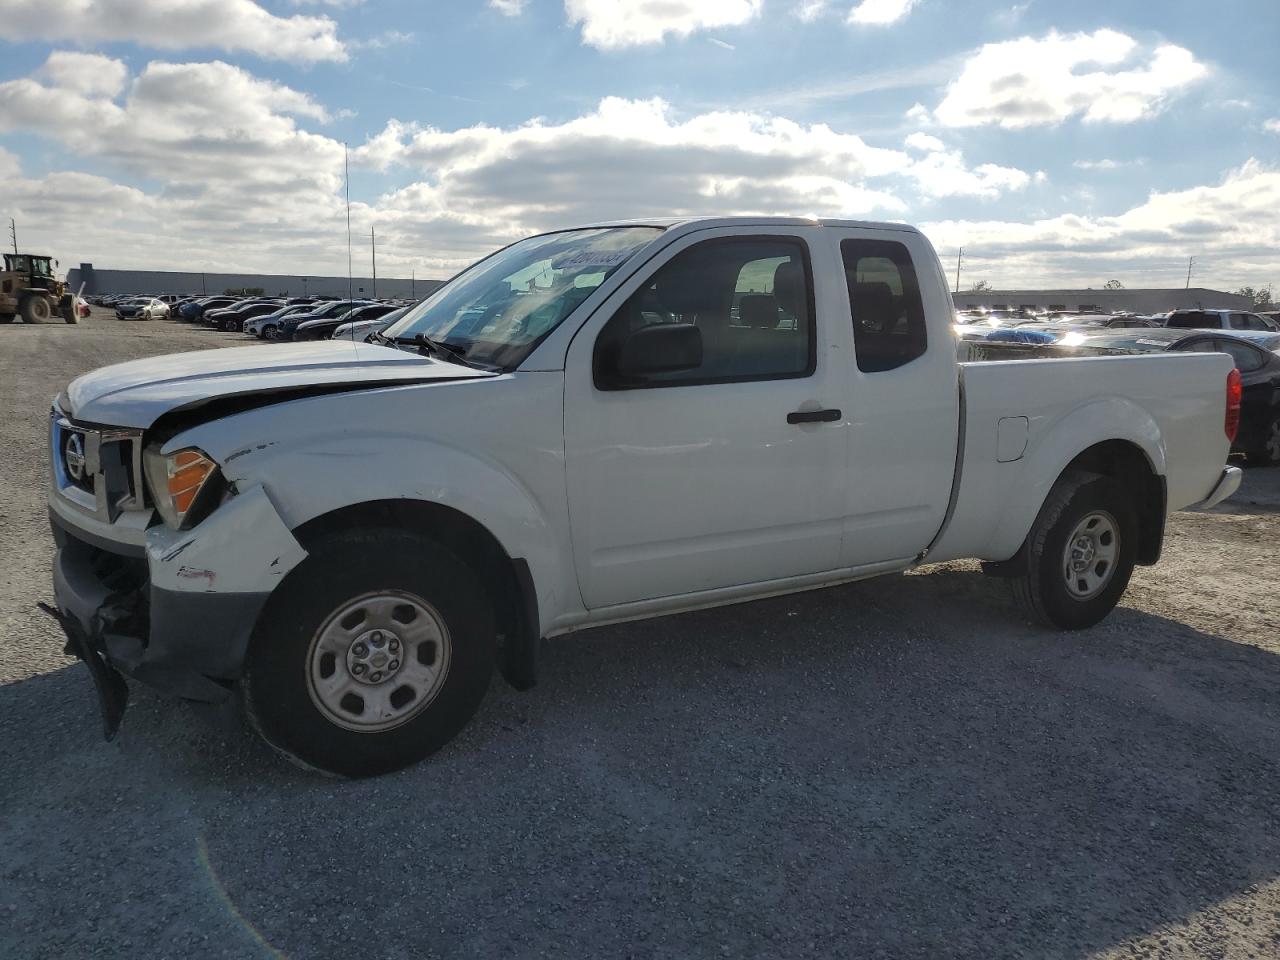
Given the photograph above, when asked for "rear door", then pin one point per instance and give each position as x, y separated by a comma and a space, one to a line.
901, 394
731, 470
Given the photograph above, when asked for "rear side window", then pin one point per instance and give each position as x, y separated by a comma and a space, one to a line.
746, 302
1245, 357
1193, 320
884, 303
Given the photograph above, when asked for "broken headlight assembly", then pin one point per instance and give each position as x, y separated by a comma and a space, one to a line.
185, 485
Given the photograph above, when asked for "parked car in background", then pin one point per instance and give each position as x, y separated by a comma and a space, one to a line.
321, 328
232, 318
361, 330
1103, 320
195, 310
142, 308
1220, 320
1255, 355
332, 308
260, 325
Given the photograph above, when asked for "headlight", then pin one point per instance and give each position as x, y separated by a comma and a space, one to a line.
184, 485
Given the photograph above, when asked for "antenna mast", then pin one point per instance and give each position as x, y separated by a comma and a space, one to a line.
13, 232
373, 241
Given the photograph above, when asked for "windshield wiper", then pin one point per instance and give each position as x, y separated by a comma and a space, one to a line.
438, 348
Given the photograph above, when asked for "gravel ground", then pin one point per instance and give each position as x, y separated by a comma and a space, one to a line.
898, 768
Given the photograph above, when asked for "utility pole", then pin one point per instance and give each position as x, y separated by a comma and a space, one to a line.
373, 240
959, 254
1190, 261
413, 284
346, 178
13, 232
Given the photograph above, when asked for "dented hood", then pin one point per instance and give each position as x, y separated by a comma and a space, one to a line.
137, 393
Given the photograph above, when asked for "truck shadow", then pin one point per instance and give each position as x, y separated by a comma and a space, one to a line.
901, 767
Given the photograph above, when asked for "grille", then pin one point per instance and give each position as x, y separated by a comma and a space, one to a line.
98, 470
75, 463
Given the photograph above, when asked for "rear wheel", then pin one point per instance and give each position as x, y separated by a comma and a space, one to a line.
1268, 454
374, 653
35, 309
1080, 552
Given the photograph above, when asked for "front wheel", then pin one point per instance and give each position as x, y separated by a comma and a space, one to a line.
1080, 552
372, 654
268, 332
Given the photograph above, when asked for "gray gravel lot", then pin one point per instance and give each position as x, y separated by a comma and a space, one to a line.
897, 768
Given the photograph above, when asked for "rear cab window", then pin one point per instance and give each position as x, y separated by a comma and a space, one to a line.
885, 305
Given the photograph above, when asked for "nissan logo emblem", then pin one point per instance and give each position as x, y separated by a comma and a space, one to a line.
74, 456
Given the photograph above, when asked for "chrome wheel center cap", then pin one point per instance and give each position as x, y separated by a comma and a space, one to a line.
375, 656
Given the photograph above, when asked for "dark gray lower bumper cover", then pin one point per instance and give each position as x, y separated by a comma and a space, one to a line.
190, 645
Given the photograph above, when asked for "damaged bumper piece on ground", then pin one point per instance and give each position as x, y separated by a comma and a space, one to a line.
176, 615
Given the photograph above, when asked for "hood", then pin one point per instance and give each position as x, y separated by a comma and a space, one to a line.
138, 393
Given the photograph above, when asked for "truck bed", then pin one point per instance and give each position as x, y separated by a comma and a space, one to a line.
1023, 420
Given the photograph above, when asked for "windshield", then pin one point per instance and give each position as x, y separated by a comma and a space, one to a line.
498, 310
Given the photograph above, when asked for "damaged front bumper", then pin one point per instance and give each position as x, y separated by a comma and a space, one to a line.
179, 616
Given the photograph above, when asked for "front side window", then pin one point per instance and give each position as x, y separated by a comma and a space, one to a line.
498, 310
724, 310
884, 300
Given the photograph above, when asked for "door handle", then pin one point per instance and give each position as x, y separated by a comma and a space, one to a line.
813, 416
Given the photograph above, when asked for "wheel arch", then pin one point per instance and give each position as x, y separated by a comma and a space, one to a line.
510, 579
1129, 465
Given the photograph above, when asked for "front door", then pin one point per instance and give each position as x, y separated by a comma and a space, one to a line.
728, 467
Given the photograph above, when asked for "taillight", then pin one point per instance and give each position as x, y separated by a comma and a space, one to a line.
1234, 392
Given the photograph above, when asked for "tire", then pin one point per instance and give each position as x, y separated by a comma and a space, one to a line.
35, 309
1268, 455
1099, 510
361, 573
6, 318
268, 332
68, 311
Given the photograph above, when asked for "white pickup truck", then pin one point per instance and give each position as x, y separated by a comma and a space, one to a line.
600, 424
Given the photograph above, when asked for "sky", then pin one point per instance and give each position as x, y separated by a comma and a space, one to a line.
1060, 144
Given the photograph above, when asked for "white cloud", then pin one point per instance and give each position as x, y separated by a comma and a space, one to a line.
810, 10
1032, 82
239, 25
922, 141
1272, 126
1106, 163
190, 125
1231, 228
919, 113
87, 74
723, 45
880, 12
508, 8
614, 24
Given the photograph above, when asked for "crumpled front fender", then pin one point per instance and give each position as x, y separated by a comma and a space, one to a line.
243, 547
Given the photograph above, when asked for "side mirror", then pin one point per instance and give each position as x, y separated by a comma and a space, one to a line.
660, 348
